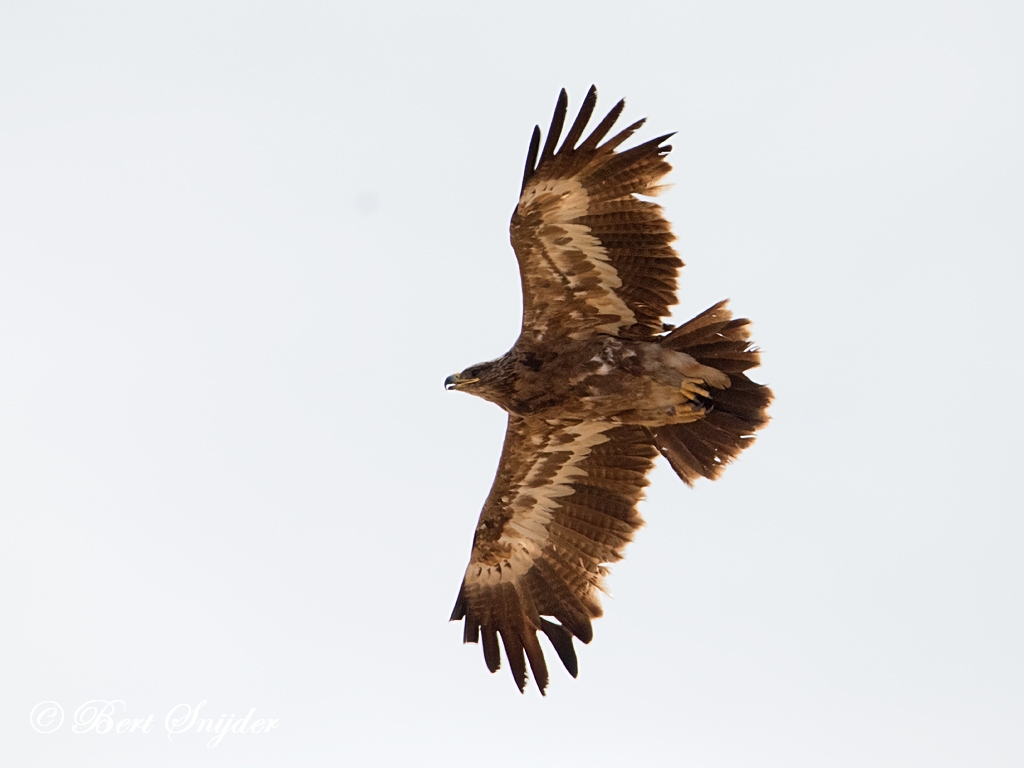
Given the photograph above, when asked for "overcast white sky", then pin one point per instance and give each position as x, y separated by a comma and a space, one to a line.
242, 245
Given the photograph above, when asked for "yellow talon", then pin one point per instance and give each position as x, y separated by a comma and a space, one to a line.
691, 388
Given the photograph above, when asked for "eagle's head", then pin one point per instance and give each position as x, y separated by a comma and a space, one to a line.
486, 380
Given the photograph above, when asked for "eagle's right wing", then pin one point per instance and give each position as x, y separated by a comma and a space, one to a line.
563, 504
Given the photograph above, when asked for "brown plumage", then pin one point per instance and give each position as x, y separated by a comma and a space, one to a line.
595, 388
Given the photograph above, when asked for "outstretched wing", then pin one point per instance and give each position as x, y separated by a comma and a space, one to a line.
562, 505
592, 256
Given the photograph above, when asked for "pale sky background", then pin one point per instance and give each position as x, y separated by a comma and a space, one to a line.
242, 245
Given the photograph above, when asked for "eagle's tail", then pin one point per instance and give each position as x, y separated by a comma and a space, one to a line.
703, 448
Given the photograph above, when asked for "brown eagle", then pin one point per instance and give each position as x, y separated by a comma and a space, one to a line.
595, 387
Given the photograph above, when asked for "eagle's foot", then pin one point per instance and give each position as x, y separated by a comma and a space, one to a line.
692, 389
687, 413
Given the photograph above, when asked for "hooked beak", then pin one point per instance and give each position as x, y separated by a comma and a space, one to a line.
453, 382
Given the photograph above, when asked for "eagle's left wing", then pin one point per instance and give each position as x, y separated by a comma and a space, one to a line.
593, 257
563, 504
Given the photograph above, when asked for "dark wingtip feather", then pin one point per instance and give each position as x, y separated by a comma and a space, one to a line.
535, 656
561, 640
580, 124
531, 156
492, 656
668, 147
459, 611
557, 121
583, 631
603, 127
622, 135
514, 653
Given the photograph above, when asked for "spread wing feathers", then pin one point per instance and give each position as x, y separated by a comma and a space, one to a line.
563, 504
593, 258
703, 448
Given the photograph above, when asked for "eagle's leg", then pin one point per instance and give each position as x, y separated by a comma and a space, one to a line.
694, 374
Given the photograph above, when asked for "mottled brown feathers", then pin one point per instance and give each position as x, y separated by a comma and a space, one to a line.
578, 519
592, 256
594, 389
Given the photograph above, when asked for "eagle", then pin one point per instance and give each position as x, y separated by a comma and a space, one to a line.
596, 387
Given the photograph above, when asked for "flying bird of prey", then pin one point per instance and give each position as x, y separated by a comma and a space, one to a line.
595, 387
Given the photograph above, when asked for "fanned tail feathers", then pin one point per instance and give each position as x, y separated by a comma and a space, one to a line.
703, 448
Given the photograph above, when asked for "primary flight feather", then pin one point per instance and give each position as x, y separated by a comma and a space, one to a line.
595, 387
